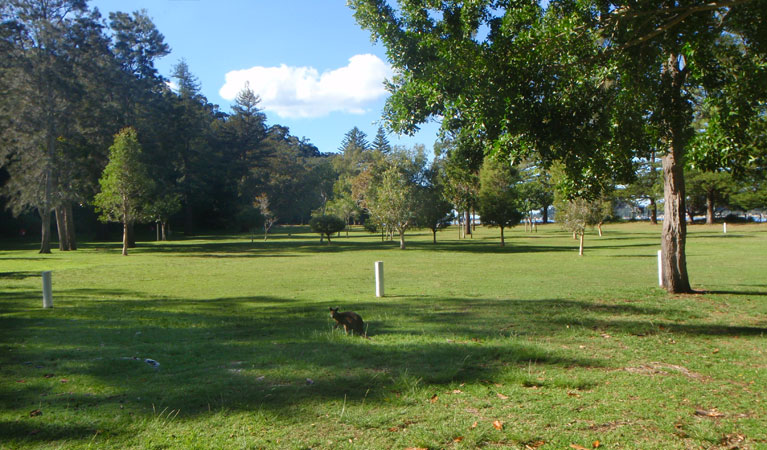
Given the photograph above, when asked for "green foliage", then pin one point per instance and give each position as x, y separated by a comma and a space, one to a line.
499, 197
327, 225
125, 182
433, 210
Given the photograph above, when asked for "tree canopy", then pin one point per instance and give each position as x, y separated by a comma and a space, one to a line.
589, 84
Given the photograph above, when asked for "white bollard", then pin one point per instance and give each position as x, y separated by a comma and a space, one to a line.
660, 268
725, 228
379, 279
47, 290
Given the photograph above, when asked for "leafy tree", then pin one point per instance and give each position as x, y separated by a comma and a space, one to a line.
646, 188
125, 184
241, 139
751, 194
433, 210
706, 190
536, 191
391, 201
160, 208
588, 84
461, 180
327, 225
262, 203
196, 164
52, 51
344, 207
577, 214
499, 197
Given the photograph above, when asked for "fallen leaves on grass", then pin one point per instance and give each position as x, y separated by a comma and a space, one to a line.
578, 447
434, 399
502, 397
35, 413
416, 448
534, 445
709, 413
474, 425
457, 391
596, 444
498, 425
458, 439
732, 441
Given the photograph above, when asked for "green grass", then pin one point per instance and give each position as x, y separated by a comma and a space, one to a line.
561, 349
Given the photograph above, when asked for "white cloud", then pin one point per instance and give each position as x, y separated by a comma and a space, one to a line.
293, 92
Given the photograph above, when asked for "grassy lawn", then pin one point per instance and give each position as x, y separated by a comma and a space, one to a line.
528, 346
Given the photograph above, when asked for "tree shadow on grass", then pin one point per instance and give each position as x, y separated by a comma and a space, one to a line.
18, 275
251, 353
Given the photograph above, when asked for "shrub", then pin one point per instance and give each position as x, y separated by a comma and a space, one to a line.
327, 225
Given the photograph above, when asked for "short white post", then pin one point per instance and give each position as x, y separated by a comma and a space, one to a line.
379, 279
725, 228
660, 268
47, 290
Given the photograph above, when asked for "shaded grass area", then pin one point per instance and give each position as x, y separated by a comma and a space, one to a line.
558, 349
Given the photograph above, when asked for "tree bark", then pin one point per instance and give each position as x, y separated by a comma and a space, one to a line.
710, 207
545, 214
434, 235
674, 234
125, 227
580, 246
402, 239
503, 243
61, 227
45, 241
70, 218
653, 212
467, 231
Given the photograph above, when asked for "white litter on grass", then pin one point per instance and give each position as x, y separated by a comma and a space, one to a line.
152, 363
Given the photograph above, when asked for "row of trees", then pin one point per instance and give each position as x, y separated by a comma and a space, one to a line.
593, 86
71, 80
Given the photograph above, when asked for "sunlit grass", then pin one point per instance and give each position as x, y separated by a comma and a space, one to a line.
557, 348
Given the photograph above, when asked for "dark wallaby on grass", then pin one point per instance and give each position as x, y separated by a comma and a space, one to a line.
351, 321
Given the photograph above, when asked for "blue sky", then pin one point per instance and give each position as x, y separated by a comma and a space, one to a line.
316, 71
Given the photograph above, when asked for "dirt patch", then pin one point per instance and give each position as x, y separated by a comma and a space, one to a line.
655, 368
609, 426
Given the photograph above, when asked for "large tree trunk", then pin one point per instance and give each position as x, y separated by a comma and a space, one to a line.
710, 207
45, 241
467, 220
61, 226
653, 212
70, 218
402, 238
674, 227
125, 227
674, 236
